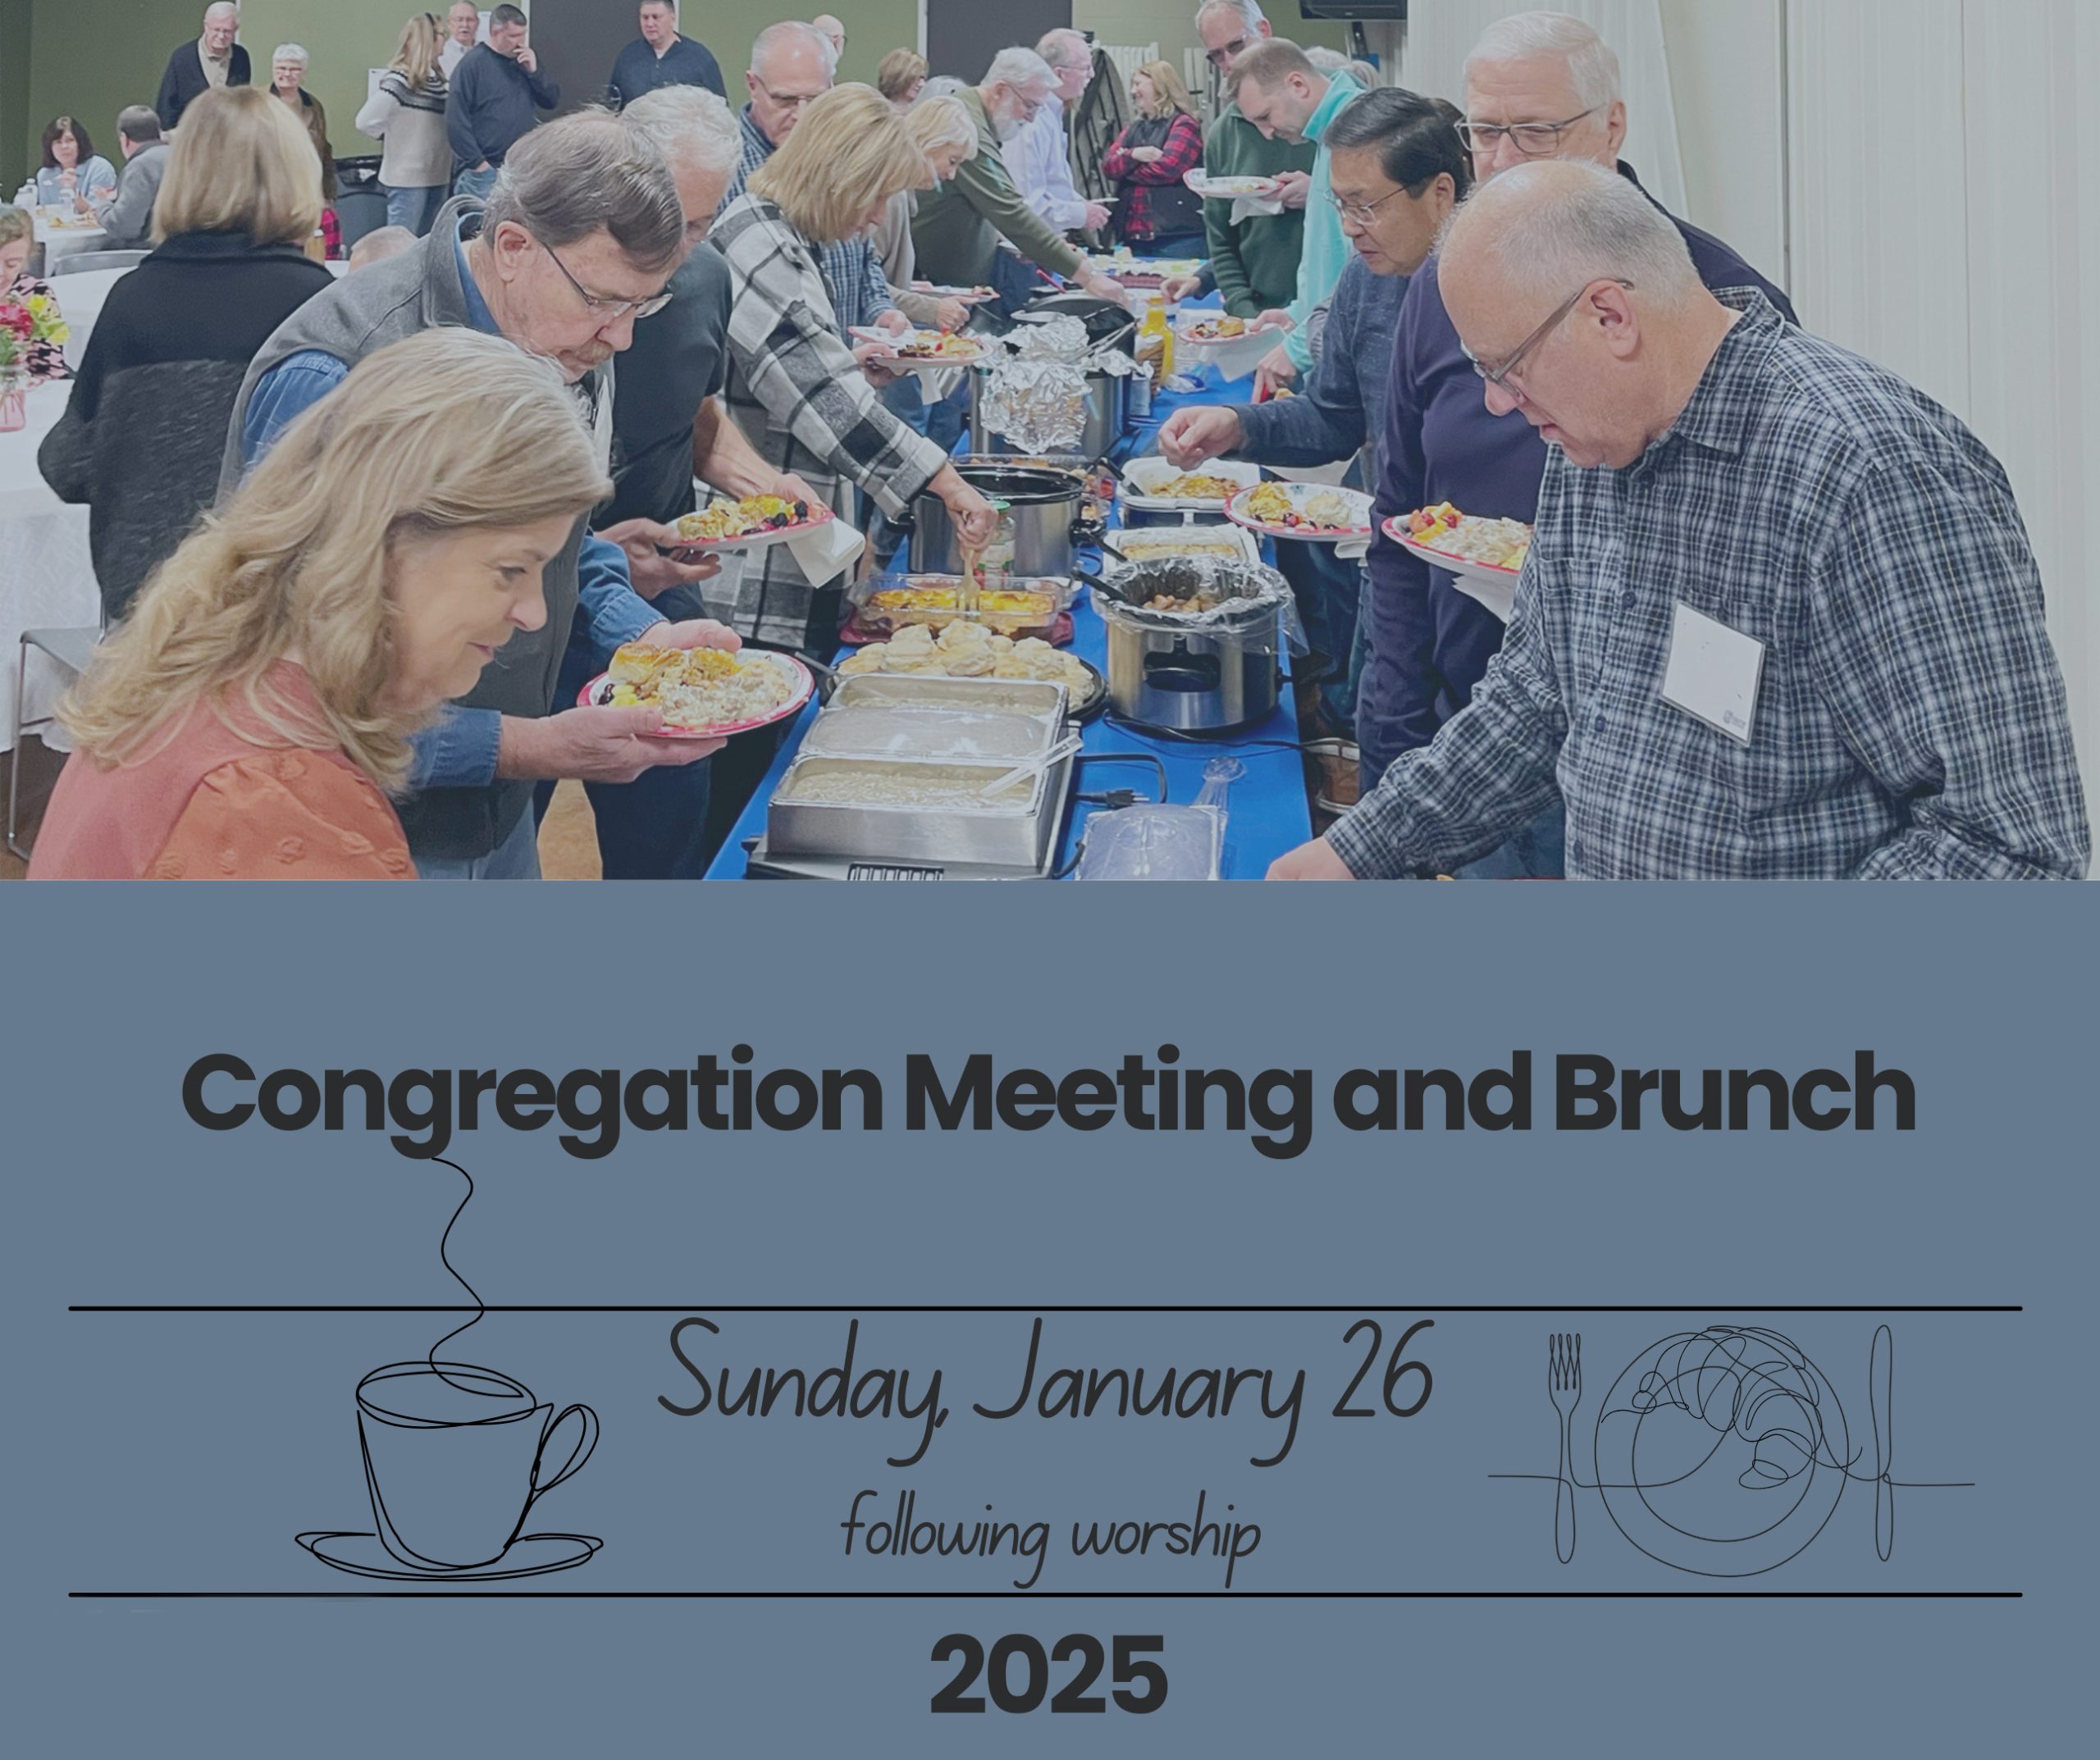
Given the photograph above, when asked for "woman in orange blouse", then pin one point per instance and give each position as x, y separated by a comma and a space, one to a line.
250, 717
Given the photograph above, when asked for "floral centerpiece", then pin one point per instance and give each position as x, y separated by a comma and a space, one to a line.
24, 324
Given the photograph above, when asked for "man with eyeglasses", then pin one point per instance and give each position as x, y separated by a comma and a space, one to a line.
1253, 259
493, 101
1538, 85
792, 64
1781, 619
579, 241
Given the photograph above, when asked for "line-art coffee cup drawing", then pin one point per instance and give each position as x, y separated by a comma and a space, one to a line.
456, 1456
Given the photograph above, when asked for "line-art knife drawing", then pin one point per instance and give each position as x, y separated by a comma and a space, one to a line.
453, 1454
1723, 1453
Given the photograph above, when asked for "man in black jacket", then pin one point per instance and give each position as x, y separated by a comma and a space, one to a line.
489, 107
213, 59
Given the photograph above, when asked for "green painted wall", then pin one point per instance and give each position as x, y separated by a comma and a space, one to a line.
92, 57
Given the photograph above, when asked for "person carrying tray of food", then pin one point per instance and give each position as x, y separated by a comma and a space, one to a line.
1398, 169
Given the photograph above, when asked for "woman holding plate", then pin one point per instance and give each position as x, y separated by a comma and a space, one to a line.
800, 397
251, 717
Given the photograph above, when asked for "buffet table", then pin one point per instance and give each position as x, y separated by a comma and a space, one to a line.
1266, 813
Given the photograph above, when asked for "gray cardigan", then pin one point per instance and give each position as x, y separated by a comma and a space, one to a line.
127, 217
359, 315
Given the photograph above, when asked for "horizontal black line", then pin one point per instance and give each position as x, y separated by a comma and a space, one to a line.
1025, 1595
878, 1307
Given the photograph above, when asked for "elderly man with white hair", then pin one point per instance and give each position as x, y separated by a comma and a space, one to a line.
1538, 85
210, 60
1253, 258
792, 64
958, 227
1040, 156
1780, 621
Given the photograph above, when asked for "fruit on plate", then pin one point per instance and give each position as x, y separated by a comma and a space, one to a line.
743, 519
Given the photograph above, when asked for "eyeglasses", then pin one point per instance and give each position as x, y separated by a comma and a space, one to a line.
1535, 140
789, 100
608, 311
1362, 212
1221, 58
1498, 377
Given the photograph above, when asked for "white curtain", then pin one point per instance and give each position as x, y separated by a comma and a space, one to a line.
1945, 197
1441, 34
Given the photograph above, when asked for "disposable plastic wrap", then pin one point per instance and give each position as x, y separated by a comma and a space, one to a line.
1209, 595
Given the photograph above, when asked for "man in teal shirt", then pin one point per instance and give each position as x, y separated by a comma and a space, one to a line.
1285, 96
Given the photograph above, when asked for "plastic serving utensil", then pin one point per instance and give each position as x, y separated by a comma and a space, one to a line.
1057, 753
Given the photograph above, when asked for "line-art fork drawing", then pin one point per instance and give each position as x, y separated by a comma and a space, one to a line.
1563, 1383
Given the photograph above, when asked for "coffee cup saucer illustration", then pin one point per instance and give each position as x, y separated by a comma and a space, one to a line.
457, 1457
1723, 1453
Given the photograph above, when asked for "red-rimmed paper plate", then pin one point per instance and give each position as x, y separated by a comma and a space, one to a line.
1300, 494
890, 345
760, 540
1494, 588
599, 692
1488, 573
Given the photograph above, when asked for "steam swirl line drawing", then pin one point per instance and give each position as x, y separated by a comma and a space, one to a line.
1724, 1452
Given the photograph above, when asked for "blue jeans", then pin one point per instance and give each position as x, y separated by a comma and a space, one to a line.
414, 208
1329, 591
1537, 852
516, 857
475, 184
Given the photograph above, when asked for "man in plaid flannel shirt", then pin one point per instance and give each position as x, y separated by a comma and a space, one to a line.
1716, 470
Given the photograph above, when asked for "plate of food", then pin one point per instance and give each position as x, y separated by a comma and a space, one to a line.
922, 350
969, 650
969, 296
1231, 188
1308, 513
1216, 329
703, 693
1489, 551
1153, 485
752, 523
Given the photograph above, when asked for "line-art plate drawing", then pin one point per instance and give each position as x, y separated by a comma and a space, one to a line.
1723, 1453
455, 1458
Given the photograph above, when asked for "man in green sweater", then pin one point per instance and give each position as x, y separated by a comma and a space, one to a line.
957, 228
1254, 260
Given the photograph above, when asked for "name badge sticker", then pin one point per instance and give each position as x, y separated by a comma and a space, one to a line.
1713, 672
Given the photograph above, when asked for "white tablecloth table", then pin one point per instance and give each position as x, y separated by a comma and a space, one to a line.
46, 578
63, 241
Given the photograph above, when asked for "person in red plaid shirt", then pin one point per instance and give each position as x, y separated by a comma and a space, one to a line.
1147, 161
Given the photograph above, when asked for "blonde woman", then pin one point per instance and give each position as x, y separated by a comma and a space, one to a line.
793, 389
1147, 161
251, 718
900, 76
141, 439
406, 112
942, 129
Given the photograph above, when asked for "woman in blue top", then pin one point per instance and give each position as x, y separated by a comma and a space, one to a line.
71, 169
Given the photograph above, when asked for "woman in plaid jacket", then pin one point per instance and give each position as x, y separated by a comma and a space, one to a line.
800, 398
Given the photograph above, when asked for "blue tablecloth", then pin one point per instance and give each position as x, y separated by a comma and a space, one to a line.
1266, 812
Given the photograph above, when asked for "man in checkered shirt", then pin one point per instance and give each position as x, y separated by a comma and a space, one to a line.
1895, 711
